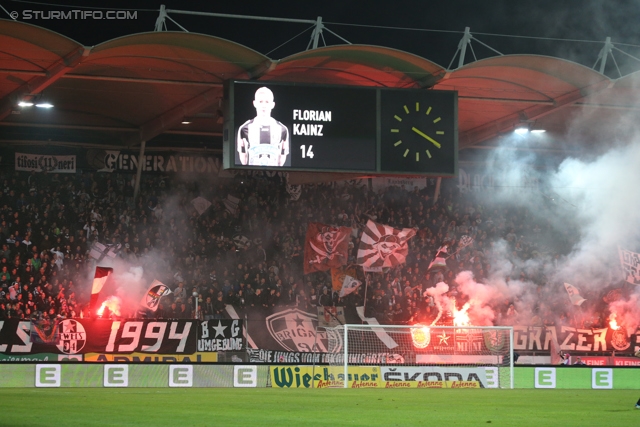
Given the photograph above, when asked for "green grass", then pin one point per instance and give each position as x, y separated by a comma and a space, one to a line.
319, 407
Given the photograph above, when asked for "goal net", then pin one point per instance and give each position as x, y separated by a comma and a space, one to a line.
402, 356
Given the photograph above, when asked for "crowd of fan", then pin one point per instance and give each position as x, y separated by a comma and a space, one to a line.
251, 256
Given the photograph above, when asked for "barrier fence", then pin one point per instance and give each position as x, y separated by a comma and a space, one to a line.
113, 375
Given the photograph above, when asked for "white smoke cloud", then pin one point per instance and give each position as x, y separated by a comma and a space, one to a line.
481, 299
607, 211
627, 312
440, 299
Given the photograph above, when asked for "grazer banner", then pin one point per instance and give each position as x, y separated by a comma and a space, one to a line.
569, 339
45, 163
79, 336
221, 335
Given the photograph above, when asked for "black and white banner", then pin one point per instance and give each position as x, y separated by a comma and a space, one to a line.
275, 356
45, 163
285, 333
79, 336
630, 262
157, 162
291, 330
298, 357
221, 335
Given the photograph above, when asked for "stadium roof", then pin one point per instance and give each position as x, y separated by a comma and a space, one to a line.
144, 86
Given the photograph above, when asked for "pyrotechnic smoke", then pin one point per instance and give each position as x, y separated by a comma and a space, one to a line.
440, 300
174, 219
480, 298
113, 303
627, 313
588, 205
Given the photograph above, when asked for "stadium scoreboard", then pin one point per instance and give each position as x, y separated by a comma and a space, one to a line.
328, 128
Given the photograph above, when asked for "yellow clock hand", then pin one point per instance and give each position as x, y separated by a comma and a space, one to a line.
425, 136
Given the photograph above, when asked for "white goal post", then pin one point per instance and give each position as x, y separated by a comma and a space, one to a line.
423, 356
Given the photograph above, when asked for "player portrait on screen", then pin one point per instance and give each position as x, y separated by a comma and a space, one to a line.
263, 141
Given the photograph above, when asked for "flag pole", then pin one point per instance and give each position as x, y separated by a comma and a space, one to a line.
366, 287
459, 249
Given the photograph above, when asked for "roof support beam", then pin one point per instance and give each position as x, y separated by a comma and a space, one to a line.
172, 117
266, 67
31, 88
262, 69
315, 35
509, 123
102, 128
507, 100
136, 187
141, 80
84, 144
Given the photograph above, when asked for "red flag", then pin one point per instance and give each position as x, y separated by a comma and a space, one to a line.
99, 279
383, 246
325, 247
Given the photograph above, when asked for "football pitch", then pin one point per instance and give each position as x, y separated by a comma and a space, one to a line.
317, 407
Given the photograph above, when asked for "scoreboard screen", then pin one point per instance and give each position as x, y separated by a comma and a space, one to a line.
306, 127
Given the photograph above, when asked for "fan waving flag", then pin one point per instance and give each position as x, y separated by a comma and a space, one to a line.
325, 247
99, 251
349, 285
630, 262
383, 246
200, 204
338, 275
574, 294
440, 260
99, 279
231, 204
151, 298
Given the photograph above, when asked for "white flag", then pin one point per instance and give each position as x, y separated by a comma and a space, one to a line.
151, 298
200, 204
349, 285
574, 294
294, 191
99, 251
231, 204
630, 262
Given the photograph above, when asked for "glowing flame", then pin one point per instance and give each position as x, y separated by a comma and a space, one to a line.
113, 304
613, 324
461, 317
101, 309
421, 336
